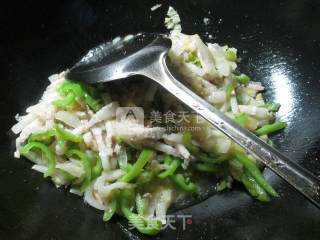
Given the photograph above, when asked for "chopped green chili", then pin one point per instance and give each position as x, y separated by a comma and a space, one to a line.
97, 169
57, 132
243, 79
231, 55
69, 86
171, 168
270, 128
48, 153
144, 225
144, 157
254, 188
110, 209
66, 102
72, 91
86, 163
229, 90
252, 168
235, 169
193, 58
94, 104
242, 119
182, 183
42, 136
62, 134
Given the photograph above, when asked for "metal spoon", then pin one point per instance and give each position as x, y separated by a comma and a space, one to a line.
146, 54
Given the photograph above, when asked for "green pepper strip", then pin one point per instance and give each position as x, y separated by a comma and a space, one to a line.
97, 169
47, 153
181, 182
110, 209
193, 58
86, 163
57, 132
66, 102
273, 107
254, 188
242, 119
172, 167
70, 91
144, 157
78, 91
213, 159
68, 86
94, 104
243, 79
144, 225
270, 128
229, 90
42, 136
235, 169
187, 142
252, 168
67, 136
231, 55
92, 91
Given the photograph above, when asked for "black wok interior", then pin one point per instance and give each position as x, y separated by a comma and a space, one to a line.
279, 43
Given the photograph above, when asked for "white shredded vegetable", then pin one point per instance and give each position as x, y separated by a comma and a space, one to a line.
69, 118
90, 198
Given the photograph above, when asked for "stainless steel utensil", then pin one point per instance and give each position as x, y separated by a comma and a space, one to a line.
146, 55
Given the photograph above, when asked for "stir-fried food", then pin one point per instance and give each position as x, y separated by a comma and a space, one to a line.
122, 166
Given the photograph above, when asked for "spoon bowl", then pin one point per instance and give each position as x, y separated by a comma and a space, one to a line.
120, 58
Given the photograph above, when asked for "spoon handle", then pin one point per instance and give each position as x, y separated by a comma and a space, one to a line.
294, 174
